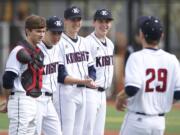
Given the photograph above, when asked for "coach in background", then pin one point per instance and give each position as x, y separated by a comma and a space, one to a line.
76, 71
22, 79
152, 81
102, 49
47, 116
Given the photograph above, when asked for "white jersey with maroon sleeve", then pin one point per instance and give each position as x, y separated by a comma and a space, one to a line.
157, 74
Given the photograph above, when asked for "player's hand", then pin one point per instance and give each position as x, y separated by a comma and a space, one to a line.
3, 107
90, 83
120, 103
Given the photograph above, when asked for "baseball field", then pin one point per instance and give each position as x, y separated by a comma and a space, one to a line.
114, 120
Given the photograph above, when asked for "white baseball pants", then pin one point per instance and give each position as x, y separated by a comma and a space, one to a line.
95, 112
70, 105
47, 117
137, 124
22, 111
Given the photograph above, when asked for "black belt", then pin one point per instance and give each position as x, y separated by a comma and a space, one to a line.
13, 93
80, 85
160, 114
99, 88
46, 94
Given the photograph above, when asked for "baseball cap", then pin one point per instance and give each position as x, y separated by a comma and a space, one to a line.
54, 24
72, 13
103, 14
151, 27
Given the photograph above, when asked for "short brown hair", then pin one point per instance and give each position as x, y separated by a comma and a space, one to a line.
35, 22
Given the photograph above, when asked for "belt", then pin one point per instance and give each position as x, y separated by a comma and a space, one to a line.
45, 93
80, 85
48, 94
160, 114
99, 88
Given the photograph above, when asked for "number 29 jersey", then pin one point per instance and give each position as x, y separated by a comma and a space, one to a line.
157, 74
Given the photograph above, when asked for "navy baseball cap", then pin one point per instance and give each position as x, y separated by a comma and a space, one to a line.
72, 13
54, 24
151, 27
103, 14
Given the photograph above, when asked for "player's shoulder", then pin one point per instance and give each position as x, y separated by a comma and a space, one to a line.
16, 48
136, 53
40, 45
90, 36
64, 40
166, 54
91, 42
170, 55
63, 37
82, 39
109, 42
135, 57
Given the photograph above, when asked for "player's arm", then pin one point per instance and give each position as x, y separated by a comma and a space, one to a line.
176, 96
8, 84
92, 72
176, 77
63, 77
129, 91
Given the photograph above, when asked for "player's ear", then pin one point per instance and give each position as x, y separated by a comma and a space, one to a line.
162, 35
27, 31
141, 35
94, 21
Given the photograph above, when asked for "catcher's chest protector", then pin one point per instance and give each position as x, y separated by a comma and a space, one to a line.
31, 78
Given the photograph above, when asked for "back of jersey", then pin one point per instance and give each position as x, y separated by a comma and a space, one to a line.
157, 74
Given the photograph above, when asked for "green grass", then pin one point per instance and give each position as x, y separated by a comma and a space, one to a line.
114, 120
3, 121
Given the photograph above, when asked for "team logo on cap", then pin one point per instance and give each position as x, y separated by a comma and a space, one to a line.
104, 12
156, 21
58, 23
75, 10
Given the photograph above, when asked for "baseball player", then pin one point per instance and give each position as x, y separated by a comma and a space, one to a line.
76, 71
47, 116
22, 106
102, 50
152, 81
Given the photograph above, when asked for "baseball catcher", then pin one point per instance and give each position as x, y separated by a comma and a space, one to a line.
31, 79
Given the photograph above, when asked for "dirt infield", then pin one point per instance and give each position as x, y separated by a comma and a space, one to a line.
111, 133
3, 133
